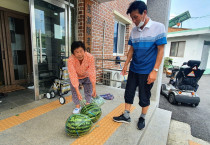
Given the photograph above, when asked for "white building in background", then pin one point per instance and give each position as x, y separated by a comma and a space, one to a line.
190, 45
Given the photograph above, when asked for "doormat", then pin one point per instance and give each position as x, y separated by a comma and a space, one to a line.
11, 88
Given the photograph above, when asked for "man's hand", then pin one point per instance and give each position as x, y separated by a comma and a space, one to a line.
94, 92
129, 56
124, 70
152, 77
79, 96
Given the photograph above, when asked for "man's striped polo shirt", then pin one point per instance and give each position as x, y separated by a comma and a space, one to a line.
145, 44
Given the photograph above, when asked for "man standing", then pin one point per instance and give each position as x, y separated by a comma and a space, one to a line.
146, 42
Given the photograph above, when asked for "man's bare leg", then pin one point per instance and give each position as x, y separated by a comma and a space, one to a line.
127, 107
144, 110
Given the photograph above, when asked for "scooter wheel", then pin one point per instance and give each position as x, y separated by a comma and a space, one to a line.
48, 96
171, 98
52, 93
62, 100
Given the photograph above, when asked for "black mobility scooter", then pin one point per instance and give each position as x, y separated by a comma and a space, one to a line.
183, 83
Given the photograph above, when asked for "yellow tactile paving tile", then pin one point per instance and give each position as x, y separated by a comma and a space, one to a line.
192, 143
106, 128
30, 114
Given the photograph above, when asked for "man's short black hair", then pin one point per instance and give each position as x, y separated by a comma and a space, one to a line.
137, 5
77, 44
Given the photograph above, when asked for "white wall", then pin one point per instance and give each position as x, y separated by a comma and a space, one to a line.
193, 48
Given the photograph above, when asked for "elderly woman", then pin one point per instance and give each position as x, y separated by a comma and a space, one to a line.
81, 68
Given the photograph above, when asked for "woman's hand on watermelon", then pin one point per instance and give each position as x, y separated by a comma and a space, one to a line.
79, 96
94, 91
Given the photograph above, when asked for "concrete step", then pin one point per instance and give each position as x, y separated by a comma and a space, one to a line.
49, 128
157, 131
198, 141
180, 134
128, 134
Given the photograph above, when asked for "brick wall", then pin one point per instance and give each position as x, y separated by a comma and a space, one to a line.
101, 12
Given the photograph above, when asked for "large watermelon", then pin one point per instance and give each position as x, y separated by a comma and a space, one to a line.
93, 111
78, 125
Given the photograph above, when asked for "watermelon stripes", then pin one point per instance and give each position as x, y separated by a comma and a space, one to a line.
78, 125
93, 111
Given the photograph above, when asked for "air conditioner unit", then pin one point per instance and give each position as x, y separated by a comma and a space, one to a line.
111, 77
107, 77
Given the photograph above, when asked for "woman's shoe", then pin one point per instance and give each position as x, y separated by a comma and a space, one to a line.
76, 110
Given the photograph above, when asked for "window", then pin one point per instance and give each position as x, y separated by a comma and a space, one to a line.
119, 38
177, 49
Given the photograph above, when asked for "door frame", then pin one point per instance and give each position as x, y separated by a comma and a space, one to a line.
61, 4
6, 49
7, 15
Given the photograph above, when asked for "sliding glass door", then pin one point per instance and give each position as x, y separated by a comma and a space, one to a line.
49, 40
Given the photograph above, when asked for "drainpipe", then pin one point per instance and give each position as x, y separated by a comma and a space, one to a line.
103, 49
103, 43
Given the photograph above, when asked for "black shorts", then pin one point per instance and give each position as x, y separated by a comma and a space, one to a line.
140, 80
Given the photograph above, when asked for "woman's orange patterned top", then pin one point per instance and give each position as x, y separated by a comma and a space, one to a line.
83, 70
